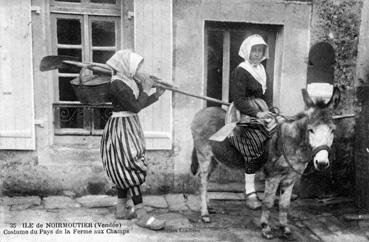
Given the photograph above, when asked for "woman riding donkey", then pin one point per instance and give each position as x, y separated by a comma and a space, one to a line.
248, 92
122, 143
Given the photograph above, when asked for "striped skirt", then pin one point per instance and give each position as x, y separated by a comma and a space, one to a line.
122, 151
250, 143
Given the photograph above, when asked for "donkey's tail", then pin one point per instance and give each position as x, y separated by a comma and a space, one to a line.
194, 163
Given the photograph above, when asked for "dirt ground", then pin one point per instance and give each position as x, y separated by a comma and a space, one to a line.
334, 219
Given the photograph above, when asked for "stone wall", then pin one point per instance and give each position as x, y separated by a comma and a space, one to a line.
22, 174
338, 23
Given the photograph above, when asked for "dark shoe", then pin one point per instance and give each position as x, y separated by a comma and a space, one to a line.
252, 202
205, 218
266, 231
125, 213
287, 234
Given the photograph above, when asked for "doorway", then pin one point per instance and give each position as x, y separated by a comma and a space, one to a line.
222, 43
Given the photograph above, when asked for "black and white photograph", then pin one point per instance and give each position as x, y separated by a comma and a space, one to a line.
184, 120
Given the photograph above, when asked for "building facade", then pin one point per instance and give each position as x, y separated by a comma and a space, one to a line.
50, 141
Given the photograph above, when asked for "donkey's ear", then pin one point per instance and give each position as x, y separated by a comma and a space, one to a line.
307, 100
335, 99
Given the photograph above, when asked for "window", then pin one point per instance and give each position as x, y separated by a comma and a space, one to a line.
89, 30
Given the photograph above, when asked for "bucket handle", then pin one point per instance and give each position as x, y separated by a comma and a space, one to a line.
89, 66
81, 74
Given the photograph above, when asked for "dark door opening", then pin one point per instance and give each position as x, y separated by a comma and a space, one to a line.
222, 42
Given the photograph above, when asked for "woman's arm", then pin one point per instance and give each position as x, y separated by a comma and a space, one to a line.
124, 96
151, 99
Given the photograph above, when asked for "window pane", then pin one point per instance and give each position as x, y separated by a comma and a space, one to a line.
103, 33
215, 66
101, 116
71, 117
103, 1
66, 92
70, 1
101, 56
69, 31
70, 52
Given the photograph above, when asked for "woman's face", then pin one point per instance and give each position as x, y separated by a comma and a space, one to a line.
139, 66
257, 53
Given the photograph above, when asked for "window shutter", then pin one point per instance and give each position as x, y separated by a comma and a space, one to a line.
16, 76
153, 40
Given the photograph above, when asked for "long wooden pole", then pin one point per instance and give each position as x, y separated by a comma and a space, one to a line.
173, 89
157, 83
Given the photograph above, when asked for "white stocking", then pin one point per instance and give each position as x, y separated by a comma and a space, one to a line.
250, 184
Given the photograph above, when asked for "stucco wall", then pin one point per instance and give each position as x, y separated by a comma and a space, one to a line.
188, 39
335, 21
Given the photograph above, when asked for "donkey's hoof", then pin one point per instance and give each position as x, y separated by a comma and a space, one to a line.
253, 203
211, 210
286, 230
266, 232
205, 218
287, 234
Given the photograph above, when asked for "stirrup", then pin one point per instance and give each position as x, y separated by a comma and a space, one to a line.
254, 192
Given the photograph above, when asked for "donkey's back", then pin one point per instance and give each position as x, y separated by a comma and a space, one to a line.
206, 123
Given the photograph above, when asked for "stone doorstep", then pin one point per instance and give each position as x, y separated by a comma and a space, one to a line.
60, 202
175, 221
174, 202
189, 201
96, 201
18, 207
155, 201
226, 196
193, 202
29, 200
91, 201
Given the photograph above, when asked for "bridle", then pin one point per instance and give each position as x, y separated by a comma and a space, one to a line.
311, 157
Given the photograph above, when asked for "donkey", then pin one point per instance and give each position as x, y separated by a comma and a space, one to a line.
305, 137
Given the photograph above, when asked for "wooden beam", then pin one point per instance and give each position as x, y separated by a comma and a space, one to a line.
226, 65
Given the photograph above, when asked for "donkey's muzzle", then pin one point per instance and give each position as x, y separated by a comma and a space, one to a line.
321, 160
322, 165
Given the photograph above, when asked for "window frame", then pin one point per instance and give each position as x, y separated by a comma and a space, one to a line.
87, 13
86, 7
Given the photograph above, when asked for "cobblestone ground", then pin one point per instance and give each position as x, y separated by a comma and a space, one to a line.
90, 218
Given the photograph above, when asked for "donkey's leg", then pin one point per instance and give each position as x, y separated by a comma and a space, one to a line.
284, 203
204, 157
271, 185
212, 166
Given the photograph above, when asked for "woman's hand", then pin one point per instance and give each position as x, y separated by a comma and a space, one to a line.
159, 91
145, 81
264, 115
147, 84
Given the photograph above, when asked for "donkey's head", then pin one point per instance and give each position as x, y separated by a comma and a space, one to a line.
320, 127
